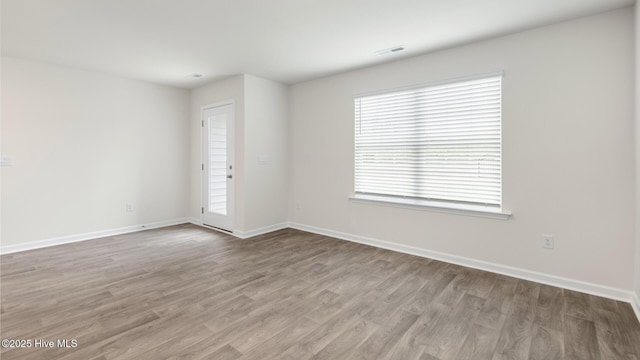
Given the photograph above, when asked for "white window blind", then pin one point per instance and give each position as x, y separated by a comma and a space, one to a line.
440, 142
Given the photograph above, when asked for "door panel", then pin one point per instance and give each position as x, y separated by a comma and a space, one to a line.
218, 142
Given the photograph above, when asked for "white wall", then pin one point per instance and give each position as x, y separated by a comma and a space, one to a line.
261, 129
231, 88
568, 152
265, 133
84, 144
637, 143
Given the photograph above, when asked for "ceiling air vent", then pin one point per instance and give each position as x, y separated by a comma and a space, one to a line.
391, 50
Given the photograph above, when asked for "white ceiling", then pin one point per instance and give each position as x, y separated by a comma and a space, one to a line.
164, 41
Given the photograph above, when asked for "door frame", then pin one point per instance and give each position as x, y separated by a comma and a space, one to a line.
231, 150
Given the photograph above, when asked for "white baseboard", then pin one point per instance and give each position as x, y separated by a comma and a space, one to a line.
244, 234
195, 221
570, 284
8, 249
260, 231
635, 304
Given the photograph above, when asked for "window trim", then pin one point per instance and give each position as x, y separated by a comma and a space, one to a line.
490, 211
430, 83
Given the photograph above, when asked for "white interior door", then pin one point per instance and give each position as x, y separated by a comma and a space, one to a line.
218, 166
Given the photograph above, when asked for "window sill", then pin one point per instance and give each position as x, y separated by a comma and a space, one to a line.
430, 205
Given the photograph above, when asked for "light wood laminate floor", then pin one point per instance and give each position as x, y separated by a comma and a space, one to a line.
186, 292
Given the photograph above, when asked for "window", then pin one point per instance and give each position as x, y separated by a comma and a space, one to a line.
436, 143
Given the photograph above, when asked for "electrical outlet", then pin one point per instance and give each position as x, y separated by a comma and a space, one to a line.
6, 160
129, 207
547, 241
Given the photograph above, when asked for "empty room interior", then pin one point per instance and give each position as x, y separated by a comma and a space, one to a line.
420, 180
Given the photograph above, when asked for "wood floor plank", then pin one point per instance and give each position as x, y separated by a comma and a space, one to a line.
498, 303
284, 339
406, 347
443, 340
347, 341
546, 344
549, 308
614, 341
629, 328
180, 343
580, 339
516, 335
480, 343
135, 341
391, 303
577, 305
315, 341
186, 292
425, 296
275, 321
226, 352
385, 337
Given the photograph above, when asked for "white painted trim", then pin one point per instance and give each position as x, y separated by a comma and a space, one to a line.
231, 157
217, 104
570, 284
243, 234
635, 304
260, 231
9, 249
430, 205
438, 82
195, 221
